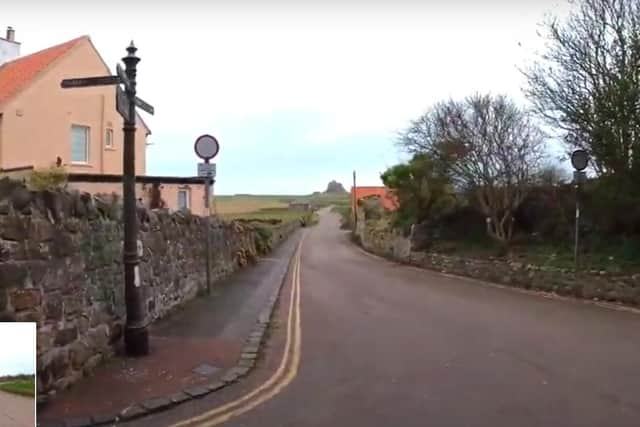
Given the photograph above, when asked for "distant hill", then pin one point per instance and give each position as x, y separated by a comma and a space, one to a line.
334, 187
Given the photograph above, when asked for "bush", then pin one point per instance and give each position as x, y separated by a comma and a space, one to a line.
263, 239
53, 178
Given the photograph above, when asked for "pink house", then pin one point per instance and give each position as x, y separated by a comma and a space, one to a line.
42, 125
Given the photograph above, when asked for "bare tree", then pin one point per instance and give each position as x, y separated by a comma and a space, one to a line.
486, 144
587, 82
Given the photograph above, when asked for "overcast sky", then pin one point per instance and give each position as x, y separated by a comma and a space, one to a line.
298, 93
18, 352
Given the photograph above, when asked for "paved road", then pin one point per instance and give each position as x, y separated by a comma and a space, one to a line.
386, 345
16, 411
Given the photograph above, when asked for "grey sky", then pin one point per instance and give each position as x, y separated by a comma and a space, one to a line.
298, 94
17, 353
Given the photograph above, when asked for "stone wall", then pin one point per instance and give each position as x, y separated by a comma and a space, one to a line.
377, 237
61, 266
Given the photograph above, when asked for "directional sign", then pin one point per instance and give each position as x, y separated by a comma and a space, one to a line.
207, 170
144, 106
90, 81
122, 104
123, 76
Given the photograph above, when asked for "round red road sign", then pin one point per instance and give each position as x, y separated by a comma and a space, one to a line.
206, 147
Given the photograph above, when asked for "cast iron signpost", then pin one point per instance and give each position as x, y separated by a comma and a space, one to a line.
136, 336
207, 147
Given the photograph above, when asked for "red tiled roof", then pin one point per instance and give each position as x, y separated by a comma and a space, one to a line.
19, 73
389, 200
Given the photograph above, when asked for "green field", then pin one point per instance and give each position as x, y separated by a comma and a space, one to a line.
271, 207
24, 387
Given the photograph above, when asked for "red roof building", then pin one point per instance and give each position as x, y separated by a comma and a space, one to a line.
389, 200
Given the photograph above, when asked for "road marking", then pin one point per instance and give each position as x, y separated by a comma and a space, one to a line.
219, 415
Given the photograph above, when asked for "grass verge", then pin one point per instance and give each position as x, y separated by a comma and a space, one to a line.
21, 387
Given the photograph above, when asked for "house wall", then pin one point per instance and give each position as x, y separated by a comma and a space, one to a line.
168, 192
36, 126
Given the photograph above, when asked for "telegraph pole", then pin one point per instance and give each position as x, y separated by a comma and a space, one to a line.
354, 203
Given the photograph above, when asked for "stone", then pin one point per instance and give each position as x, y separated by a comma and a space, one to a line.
25, 299
230, 376
13, 275
79, 353
242, 370
156, 404
53, 306
179, 397
250, 349
246, 363
132, 412
196, 391
116, 331
12, 227
7, 316
62, 384
66, 335
105, 418
217, 385
73, 304
91, 364
28, 316
99, 337
62, 244
41, 230
44, 339
248, 356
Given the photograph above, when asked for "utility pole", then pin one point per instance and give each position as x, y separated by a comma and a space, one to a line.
136, 335
354, 203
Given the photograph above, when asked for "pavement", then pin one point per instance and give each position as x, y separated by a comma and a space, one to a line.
193, 347
378, 344
16, 411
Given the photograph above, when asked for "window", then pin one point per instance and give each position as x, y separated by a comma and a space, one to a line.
108, 138
183, 199
79, 144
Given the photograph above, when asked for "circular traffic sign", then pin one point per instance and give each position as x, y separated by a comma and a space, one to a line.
206, 147
579, 159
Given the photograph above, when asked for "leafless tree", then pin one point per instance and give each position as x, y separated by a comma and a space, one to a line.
487, 145
587, 82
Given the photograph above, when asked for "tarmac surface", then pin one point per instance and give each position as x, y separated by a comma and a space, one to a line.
389, 345
16, 411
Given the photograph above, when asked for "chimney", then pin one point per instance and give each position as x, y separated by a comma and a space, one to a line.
9, 47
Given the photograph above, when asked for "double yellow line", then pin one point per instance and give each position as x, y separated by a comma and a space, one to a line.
286, 372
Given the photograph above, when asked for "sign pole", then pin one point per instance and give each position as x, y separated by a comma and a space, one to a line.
575, 247
579, 160
136, 336
207, 222
207, 147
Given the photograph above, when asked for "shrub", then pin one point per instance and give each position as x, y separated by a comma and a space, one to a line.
53, 178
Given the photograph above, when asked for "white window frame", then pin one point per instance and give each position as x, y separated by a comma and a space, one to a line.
108, 139
87, 131
187, 192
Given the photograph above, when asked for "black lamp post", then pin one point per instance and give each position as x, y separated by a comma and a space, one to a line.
579, 160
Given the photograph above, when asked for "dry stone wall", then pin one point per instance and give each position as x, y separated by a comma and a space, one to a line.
61, 266
377, 237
